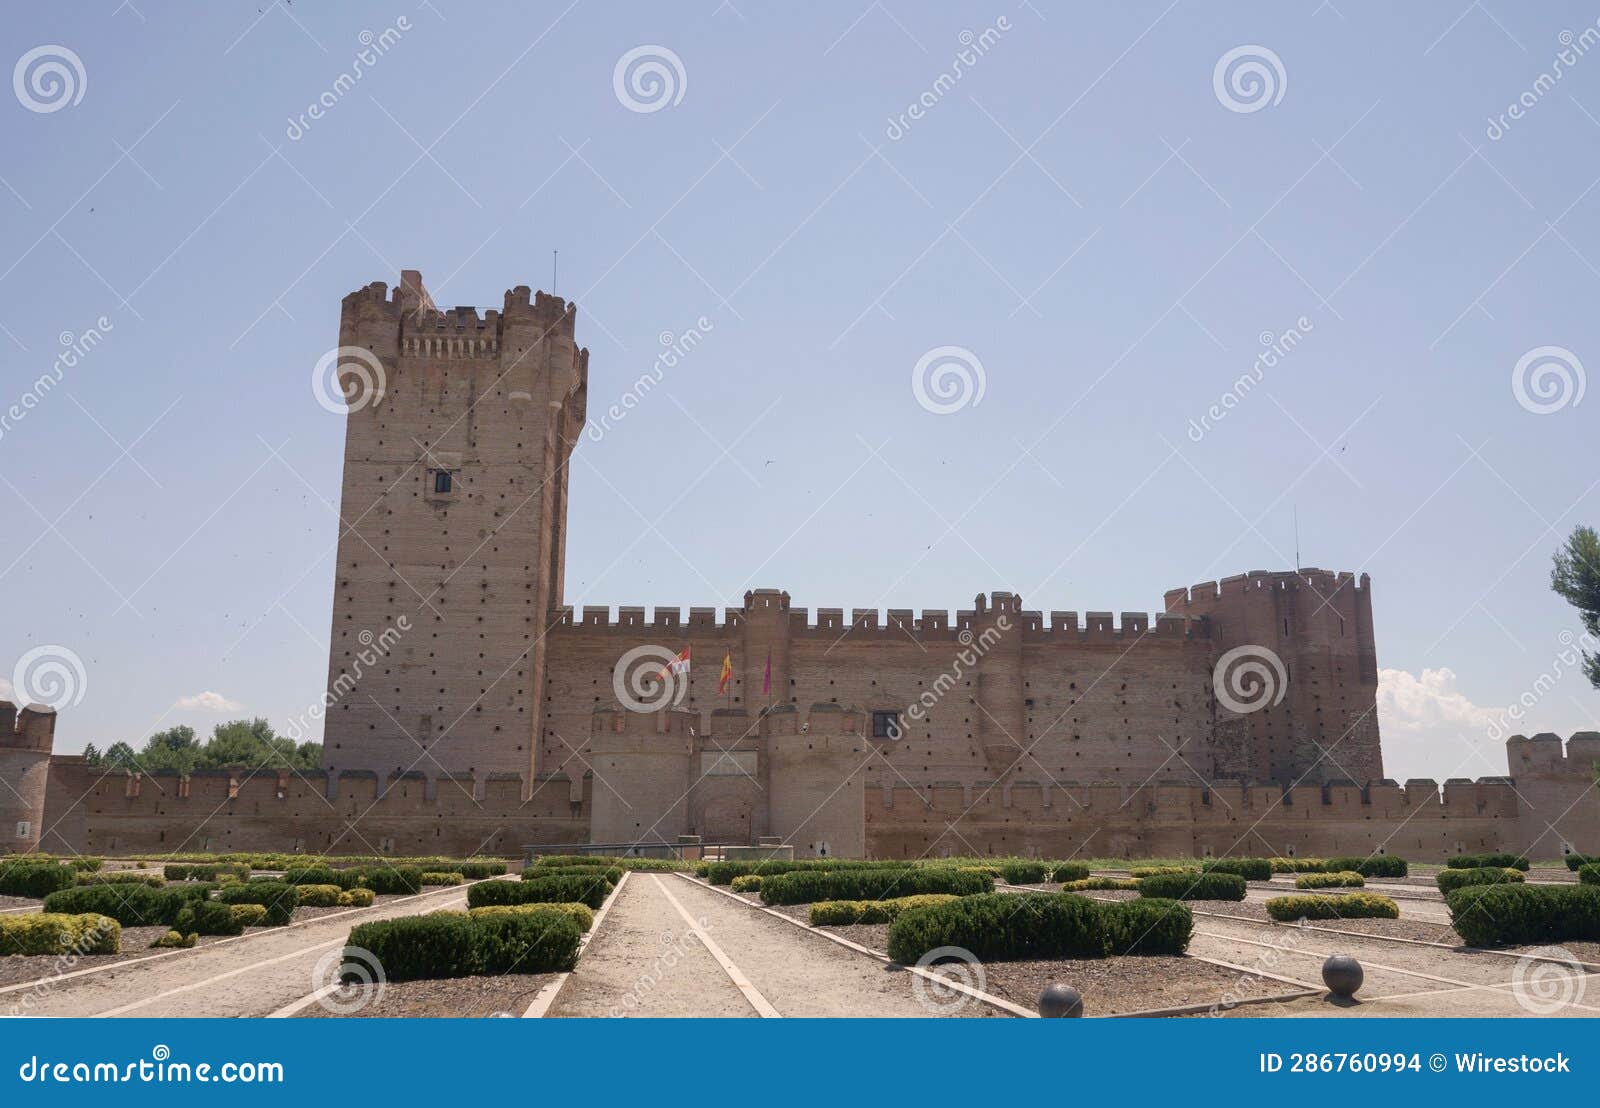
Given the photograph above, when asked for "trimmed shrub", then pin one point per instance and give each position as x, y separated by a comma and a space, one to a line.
1022, 873
1576, 862
747, 883
1344, 879
356, 898
1286, 909
542, 890
1193, 886
54, 933
122, 877
457, 944
212, 872
660, 865
320, 875
580, 914
611, 874
721, 873
321, 896
211, 917
441, 879
1007, 927
1589, 874
1488, 861
129, 905
177, 940
1449, 880
1068, 871
279, 899
1101, 884
35, 878
1377, 865
1251, 869
249, 915
842, 913
1298, 865
1489, 915
1160, 871
806, 886
393, 880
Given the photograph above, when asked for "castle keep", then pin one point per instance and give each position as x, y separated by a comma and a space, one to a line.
469, 708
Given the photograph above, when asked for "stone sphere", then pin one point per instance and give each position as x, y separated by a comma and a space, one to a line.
1057, 1001
1342, 974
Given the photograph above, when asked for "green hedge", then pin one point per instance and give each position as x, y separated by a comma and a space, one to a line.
122, 877
1488, 861
1068, 871
580, 914
1589, 874
445, 880
1286, 909
843, 913
393, 880
1251, 869
1036, 926
323, 875
279, 898
204, 872
1489, 915
1101, 884
129, 905
1160, 871
456, 944
1576, 862
355, 898
55, 933
1376, 865
611, 874
722, 873
1022, 873
658, 865
1193, 886
1344, 879
806, 886
747, 883
319, 896
35, 878
541, 890
1449, 880
1298, 865
208, 917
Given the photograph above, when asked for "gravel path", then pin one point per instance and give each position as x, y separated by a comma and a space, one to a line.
456, 997
253, 975
647, 961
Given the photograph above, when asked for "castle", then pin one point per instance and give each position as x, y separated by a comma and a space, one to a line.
469, 708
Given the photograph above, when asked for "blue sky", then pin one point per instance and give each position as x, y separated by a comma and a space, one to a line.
1108, 235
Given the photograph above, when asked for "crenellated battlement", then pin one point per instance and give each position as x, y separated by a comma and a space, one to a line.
32, 729
1322, 581
1544, 754
423, 324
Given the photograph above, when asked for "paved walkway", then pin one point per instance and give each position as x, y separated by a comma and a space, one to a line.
724, 959
250, 976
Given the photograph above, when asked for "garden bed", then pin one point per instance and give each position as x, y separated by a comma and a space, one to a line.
1118, 986
18, 968
458, 997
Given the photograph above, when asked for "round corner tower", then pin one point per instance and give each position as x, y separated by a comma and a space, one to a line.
25, 741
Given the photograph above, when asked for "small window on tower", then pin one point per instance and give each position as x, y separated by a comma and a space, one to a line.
886, 725
441, 480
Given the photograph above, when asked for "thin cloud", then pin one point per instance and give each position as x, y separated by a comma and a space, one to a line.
207, 702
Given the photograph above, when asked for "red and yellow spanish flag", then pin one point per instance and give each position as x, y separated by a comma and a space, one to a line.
727, 673
680, 664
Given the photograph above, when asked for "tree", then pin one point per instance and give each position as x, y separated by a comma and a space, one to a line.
92, 755
120, 756
1576, 578
247, 744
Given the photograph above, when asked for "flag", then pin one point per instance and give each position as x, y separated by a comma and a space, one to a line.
680, 664
766, 677
727, 673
